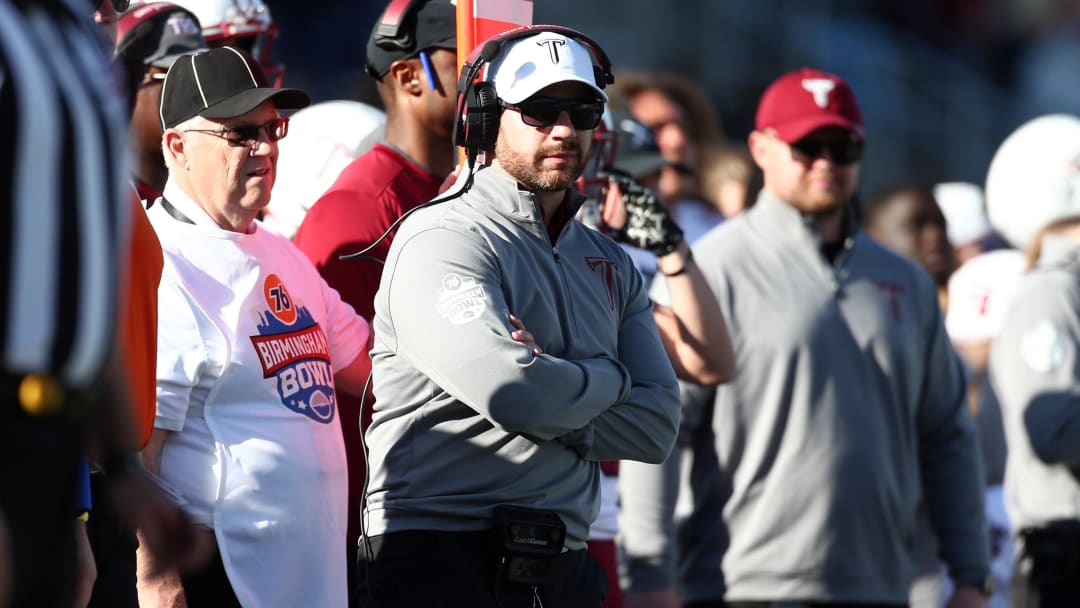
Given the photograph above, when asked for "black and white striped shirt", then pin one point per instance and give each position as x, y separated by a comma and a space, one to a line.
63, 212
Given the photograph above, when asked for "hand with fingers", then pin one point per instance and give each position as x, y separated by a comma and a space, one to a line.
524, 336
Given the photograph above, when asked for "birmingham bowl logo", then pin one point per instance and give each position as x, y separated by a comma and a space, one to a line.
460, 299
293, 350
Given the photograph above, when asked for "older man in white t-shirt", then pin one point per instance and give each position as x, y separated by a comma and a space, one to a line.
253, 345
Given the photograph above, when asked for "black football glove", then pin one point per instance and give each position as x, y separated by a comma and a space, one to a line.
648, 224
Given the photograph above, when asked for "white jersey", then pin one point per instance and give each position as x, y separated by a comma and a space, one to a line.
250, 337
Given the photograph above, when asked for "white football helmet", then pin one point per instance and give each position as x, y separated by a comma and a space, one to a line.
323, 139
1034, 178
245, 24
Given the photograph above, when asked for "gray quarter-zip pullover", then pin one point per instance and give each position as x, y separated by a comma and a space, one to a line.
847, 409
465, 417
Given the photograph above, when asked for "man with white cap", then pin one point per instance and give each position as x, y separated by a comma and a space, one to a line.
485, 451
1033, 198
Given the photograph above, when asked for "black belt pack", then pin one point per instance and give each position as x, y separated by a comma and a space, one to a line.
1054, 550
528, 540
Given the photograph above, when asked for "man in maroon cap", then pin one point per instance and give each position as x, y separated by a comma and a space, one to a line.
846, 415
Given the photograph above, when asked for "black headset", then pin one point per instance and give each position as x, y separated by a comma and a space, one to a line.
476, 124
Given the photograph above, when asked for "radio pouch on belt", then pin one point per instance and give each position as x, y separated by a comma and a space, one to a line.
1054, 549
528, 540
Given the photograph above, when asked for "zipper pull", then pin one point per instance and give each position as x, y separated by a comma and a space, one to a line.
555, 252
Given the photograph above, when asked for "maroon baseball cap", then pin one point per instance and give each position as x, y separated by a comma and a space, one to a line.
801, 102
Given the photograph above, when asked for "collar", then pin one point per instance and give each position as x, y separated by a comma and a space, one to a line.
776, 218
408, 158
502, 192
190, 209
558, 221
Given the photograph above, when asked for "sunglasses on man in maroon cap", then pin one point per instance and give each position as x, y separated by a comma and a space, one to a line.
844, 150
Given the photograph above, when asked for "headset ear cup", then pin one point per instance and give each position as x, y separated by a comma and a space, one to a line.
477, 123
486, 124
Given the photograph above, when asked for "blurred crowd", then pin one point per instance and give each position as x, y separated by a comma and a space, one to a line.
357, 362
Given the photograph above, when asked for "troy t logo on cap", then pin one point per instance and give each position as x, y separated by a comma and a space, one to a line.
553, 48
820, 89
788, 111
528, 65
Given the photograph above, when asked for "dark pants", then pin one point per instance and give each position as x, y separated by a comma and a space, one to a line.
351, 557
210, 587
39, 459
451, 569
114, 544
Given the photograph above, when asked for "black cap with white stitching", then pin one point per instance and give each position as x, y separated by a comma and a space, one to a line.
220, 83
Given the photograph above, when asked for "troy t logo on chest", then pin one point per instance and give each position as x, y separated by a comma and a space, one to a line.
607, 270
893, 291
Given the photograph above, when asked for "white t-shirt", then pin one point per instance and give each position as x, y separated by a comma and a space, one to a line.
249, 339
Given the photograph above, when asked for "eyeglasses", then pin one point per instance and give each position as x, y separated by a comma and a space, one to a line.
248, 135
845, 151
545, 111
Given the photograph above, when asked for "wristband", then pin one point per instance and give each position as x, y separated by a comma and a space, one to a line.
686, 262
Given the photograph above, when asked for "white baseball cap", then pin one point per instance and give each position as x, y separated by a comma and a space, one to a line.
1034, 178
979, 293
530, 64
965, 212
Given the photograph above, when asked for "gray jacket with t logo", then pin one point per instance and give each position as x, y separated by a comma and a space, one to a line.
465, 417
847, 410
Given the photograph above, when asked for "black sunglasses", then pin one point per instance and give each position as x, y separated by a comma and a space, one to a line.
248, 135
842, 152
545, 111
